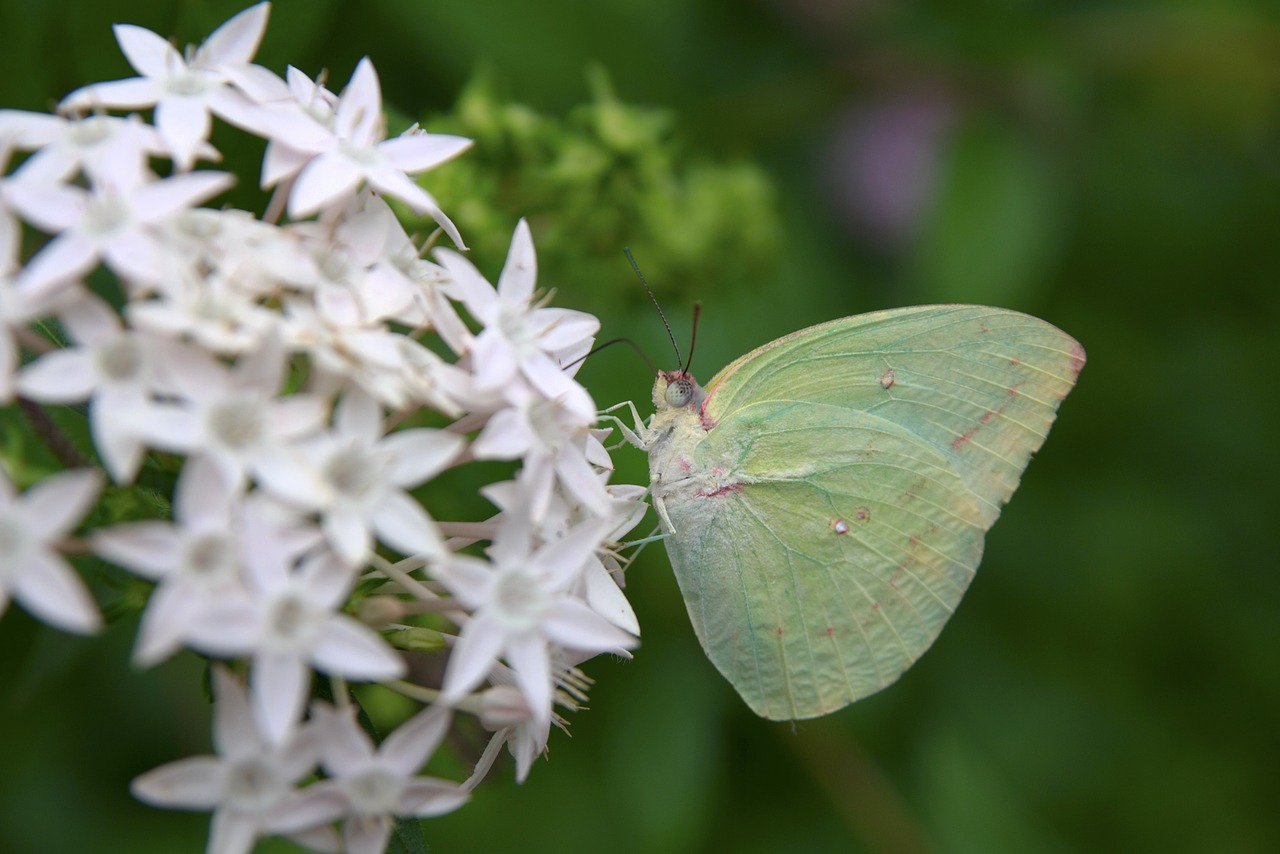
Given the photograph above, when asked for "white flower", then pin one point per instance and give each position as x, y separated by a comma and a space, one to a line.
354, 150
251, 785
199, 560
102, 147
378, 784
182, 92
552, 448
505, 711
520, 338
361, 478
31, 570
234, 417
113, 368
521, 606
289, 623
114, 222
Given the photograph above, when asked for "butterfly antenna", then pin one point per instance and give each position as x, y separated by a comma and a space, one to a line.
598, 348
693, 339
627, 251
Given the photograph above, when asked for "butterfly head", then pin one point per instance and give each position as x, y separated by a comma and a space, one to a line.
677, 390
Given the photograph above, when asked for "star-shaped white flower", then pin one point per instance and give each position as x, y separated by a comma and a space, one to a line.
520, 338
377, 785
355, 151
185, 92
201, 559
113, 368
521, 606
361, 477
99, 146
251, 785
115, 221
234, 416
292, 622
31, 570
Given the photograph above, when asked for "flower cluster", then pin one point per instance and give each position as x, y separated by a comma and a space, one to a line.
302, 377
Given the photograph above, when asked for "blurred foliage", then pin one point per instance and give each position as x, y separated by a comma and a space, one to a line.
1111, 681
704, 225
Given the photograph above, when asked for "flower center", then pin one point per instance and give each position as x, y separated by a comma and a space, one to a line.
105, 214
186, 82
352, 473
252, 785
210, 560
292, 622
520, 600
89, 132
237, 423
121, 359
375, 792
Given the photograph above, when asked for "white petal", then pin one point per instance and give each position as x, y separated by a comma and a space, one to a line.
470, 579
527, 654
118, 444
148, 53
149, 549
63, 376
163, 628
184, 123
358, 416
348, 649
607, 599
423, 151
520, 272
195, 783
426, 797
571, 623
278, 685
472, 657
401, 523
349, 536
409, 747
232, 832
420, 454
49, 589
326, 178
161, 200
234, 732
62, 259
360, 108
53, 506
347, 748
236, 40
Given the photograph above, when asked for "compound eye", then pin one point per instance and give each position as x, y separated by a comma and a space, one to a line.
679, 393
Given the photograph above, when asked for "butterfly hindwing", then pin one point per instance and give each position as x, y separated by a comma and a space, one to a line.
829, 559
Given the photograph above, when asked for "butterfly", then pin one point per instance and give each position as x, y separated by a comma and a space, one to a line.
825, 496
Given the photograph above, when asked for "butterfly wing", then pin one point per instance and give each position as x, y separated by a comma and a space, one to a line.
827, 562
980, 385
835, 511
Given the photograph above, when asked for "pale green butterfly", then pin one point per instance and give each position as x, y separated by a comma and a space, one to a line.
826, 495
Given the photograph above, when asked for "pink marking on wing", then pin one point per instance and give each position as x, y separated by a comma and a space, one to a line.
1077, 359
1013, 391
964, 438
861, 514
840, 526
721, 492
887, 379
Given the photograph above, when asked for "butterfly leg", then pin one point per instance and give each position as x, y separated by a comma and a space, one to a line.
638, 436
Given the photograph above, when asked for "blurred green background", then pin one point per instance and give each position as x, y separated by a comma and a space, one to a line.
1112, 680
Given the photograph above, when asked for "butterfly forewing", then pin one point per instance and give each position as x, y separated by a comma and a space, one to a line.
981, 385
